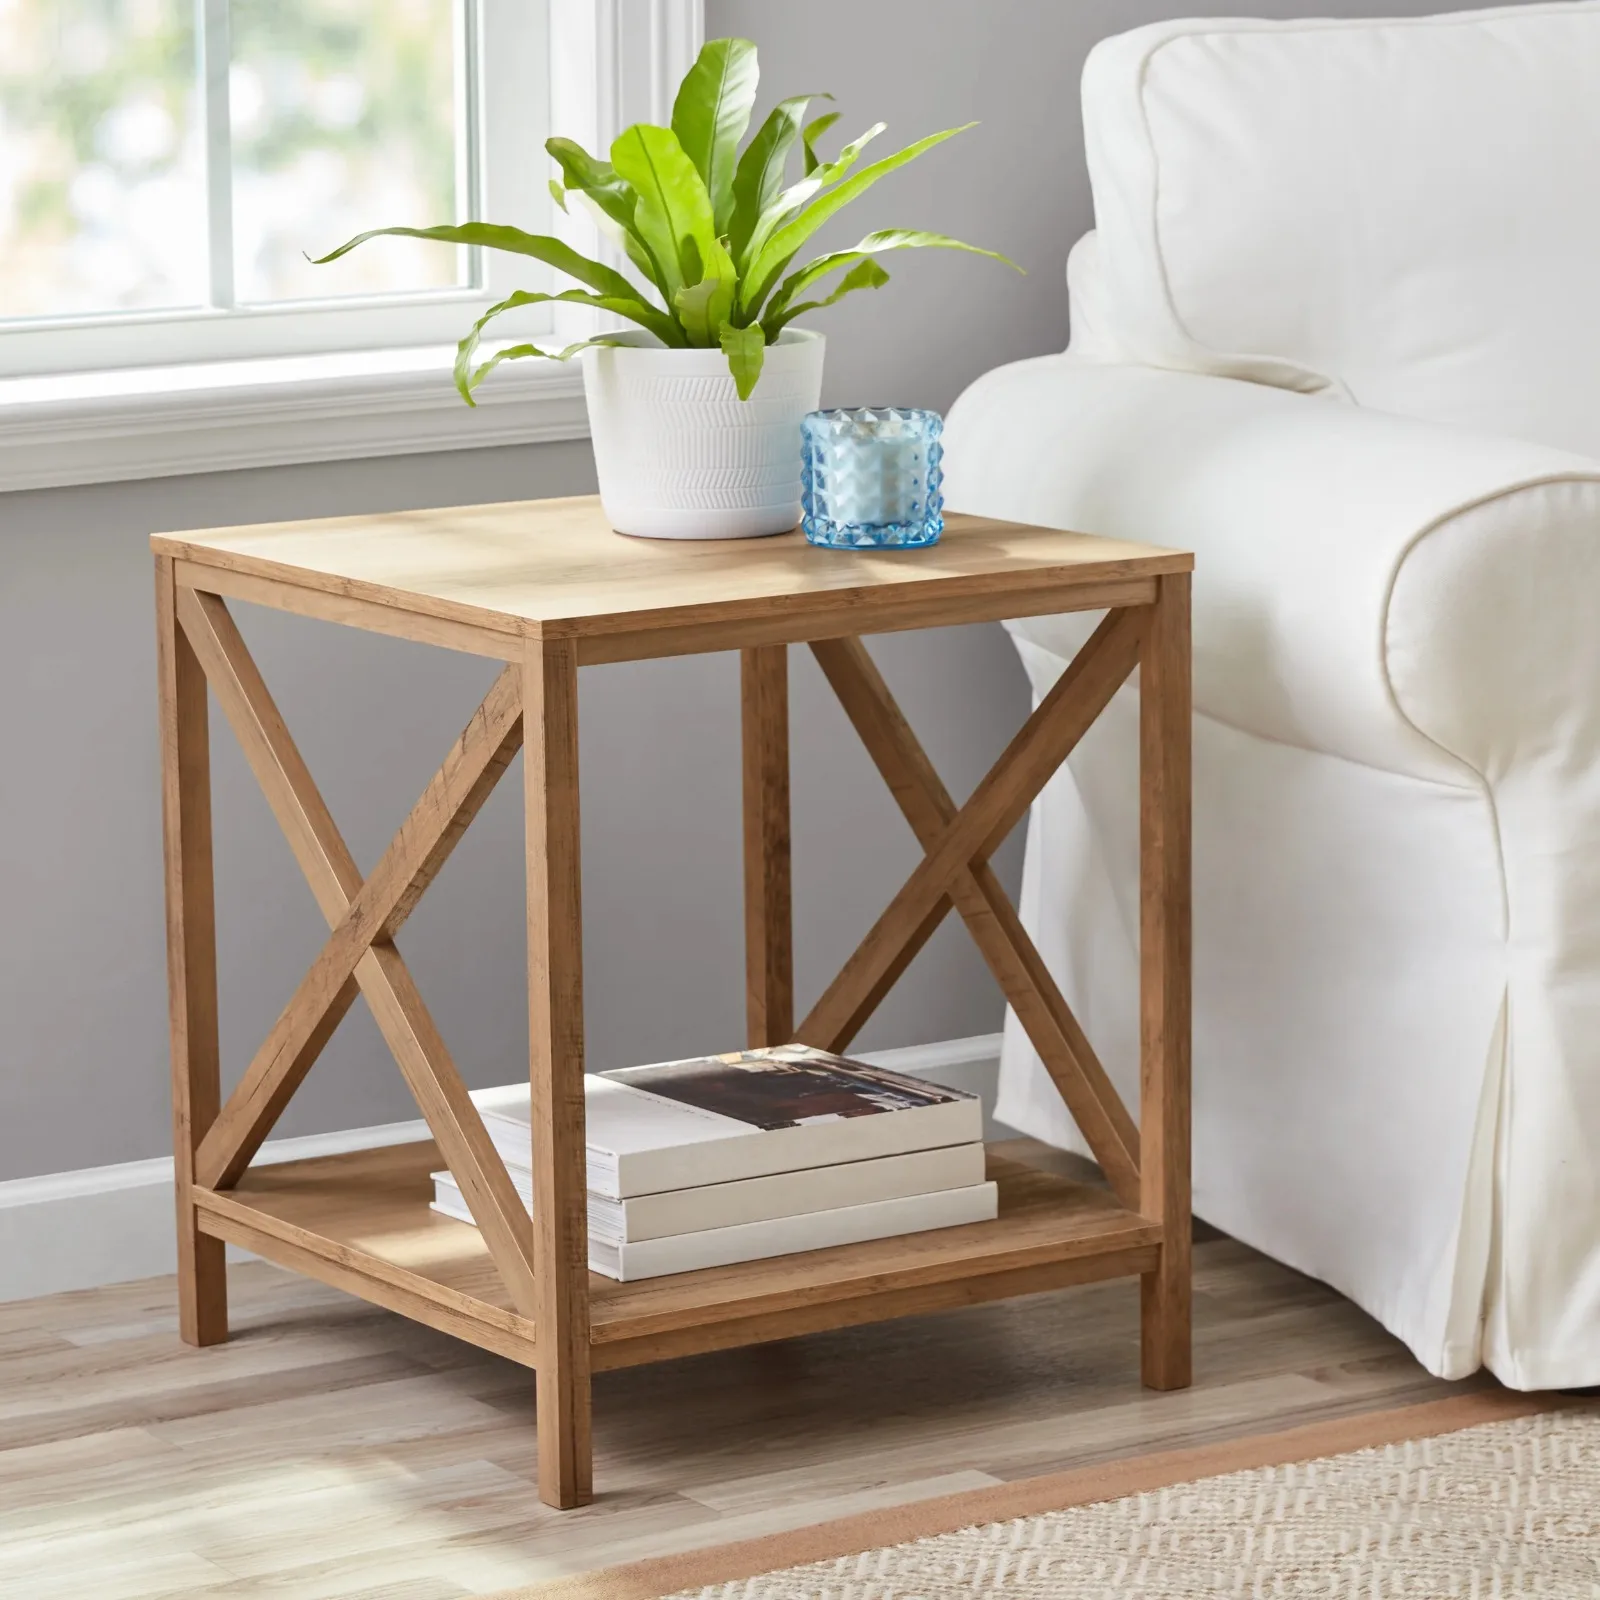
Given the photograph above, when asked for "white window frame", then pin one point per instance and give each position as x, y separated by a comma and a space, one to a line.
151, 394
502, 88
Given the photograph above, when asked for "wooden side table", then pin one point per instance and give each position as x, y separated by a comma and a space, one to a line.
546, 587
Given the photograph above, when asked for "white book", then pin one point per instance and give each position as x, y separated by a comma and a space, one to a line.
719, 1119
778, 1236
782, 1194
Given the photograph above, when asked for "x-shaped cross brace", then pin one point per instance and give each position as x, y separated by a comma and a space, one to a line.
360, 955
955, 871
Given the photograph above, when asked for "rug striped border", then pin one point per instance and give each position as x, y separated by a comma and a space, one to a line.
1109, 1480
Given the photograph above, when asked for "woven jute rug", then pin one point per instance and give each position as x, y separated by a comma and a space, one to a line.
1487, 1494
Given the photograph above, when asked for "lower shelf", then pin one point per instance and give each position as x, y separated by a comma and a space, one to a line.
362, 1223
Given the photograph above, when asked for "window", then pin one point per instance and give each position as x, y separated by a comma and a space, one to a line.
167, 165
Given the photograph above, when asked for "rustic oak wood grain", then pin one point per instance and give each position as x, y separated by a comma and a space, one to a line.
369, 1276
554, 567
768, 912
977, 830
995, 926
191, 957
382, 975
367, 1213
500, 637
885, 1304
555, 1009
894, 611
271, 752
1164, 980
499, 643
424, 842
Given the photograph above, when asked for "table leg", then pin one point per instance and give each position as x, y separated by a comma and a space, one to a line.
1164, 947
555, 1010
191, 957
768, 914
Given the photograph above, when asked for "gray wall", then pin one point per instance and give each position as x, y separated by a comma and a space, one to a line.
82, 1007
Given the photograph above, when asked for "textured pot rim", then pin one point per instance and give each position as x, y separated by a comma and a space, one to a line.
795, 346
643, 339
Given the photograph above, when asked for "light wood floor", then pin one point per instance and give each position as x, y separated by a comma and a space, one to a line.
332, 1451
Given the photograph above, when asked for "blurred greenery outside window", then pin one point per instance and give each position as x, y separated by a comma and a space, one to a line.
167, 165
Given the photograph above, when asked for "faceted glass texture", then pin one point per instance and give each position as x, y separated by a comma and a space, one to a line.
871, 477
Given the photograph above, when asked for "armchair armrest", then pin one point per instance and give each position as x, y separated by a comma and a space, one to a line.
1377, 587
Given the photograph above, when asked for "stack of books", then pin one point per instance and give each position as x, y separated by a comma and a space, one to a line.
763, 1153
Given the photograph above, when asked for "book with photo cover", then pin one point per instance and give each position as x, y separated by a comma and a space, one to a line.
777, 1236
718, 1119
779, 1194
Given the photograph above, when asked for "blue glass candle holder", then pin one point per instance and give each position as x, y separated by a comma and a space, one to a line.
870, 478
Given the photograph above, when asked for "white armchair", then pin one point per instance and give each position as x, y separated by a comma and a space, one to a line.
1337, 332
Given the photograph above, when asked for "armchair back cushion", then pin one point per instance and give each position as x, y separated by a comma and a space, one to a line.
1403, 212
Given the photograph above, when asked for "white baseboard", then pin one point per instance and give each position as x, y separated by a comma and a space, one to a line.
78, 1230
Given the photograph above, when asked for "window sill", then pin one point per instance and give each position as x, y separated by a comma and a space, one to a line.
154, 422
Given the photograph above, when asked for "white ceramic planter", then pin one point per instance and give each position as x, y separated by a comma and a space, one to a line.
681, 456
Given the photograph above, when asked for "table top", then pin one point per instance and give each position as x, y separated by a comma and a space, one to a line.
555, 568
